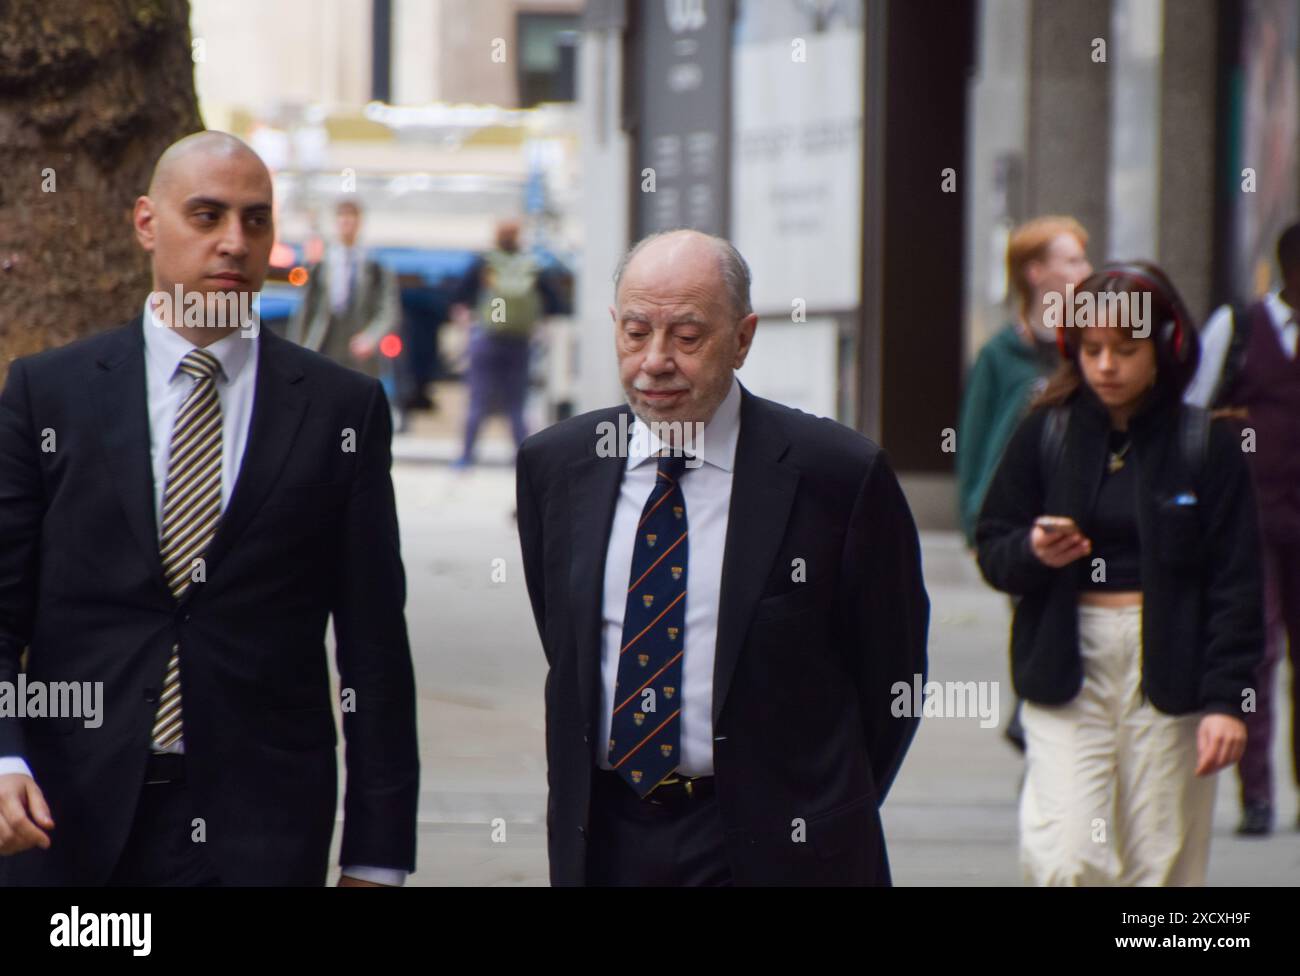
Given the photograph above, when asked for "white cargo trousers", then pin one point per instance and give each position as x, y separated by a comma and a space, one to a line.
1110, 793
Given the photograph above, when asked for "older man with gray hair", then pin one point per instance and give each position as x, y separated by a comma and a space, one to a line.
724, 626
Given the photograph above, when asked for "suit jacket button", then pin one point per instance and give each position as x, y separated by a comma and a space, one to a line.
151, 696
582, 831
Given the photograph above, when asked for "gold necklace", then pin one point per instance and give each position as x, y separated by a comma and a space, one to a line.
1117, 458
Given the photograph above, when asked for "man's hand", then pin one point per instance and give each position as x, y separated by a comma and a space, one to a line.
1220, 741
23, 812
1057, 549
361, 346
346, 881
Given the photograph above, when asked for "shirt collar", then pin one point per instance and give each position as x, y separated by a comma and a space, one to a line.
715, 445
1281, 312
165, 348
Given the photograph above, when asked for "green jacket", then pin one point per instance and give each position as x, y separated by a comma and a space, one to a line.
997, 393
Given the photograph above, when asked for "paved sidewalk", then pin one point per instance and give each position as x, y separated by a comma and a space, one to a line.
950, 818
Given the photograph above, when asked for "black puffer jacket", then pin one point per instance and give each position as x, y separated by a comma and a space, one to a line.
1202, 620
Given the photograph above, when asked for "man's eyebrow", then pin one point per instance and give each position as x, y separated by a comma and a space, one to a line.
202, 201
686, 318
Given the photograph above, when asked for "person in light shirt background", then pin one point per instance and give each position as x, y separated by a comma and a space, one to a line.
1250, 373
350, 302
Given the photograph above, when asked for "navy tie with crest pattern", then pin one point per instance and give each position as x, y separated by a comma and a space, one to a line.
645, 733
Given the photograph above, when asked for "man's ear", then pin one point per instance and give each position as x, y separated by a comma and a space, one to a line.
142, 219
613, 314
744, 338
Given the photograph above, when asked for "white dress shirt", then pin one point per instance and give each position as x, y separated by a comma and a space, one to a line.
707, 488
343, 262
167, 388
1216, 336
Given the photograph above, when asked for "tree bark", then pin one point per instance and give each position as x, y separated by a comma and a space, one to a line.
90, 94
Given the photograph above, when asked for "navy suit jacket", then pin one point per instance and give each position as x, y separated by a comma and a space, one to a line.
310, 531
806, 744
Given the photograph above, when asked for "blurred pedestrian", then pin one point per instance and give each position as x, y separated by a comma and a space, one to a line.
1043, 257
509, 293
1125, 522
424, 309
350, 302
1250, 372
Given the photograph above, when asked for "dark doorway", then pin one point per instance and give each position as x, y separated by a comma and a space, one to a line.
913, 278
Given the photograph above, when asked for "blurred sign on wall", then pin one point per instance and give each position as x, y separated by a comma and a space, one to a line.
796, 190
1268, 113
795, 364
680, 80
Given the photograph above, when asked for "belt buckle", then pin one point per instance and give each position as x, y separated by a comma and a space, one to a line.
687, 782
671, 781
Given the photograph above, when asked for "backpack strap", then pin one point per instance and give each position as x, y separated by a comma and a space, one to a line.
1052, 444
1193, 440
1243, 318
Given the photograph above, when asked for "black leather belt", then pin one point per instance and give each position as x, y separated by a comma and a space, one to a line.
164, 767
675, 792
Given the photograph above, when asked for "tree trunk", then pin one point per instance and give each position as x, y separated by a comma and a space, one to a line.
90, 94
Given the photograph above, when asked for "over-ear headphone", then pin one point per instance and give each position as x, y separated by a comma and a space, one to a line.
1171, 335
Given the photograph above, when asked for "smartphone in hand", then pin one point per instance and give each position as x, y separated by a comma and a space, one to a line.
1056, 524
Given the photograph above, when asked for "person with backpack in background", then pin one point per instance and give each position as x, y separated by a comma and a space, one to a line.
510, 293
1044, 255
1125, 522
1250, 373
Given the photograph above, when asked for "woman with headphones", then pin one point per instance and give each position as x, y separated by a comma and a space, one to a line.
1125, 523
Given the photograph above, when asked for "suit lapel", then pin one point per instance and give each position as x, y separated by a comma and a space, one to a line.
762, 492
122, 395
278, 408
593, 493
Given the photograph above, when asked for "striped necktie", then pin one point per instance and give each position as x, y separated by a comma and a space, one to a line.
645, 731
191, 510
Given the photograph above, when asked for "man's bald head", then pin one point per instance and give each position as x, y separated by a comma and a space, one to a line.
209, 145
207, 221
692, 246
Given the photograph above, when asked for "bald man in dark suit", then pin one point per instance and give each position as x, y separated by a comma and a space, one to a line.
215, 495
